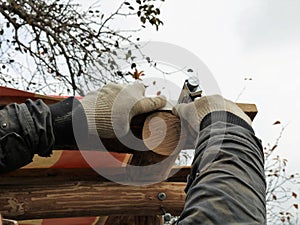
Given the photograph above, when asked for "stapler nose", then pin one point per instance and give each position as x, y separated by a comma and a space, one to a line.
190, 91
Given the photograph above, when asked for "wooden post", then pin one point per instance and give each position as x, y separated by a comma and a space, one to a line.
146, 158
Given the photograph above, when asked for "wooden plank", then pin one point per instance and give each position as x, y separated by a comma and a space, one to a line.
58, 175
11, 95
162, 131
144, 159
151, 124
82, 198
153, 165
156, 173
249, 109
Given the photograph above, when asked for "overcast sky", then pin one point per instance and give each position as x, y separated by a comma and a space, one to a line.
244, 39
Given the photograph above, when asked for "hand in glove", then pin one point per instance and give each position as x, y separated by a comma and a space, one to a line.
192, 114
110, 109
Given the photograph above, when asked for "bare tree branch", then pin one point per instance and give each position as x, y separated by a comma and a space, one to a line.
76, 48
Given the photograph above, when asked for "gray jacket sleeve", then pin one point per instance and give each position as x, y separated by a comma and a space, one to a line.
227, 182
35, 128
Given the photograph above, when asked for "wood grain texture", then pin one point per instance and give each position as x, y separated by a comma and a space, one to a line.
162, 133
82, 198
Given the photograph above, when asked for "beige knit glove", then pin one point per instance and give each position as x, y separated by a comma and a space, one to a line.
110, 109
194, 112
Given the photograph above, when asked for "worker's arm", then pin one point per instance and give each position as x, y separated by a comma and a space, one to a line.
35, 128
227, 183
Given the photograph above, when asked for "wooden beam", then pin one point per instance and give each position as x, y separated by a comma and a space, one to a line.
138, 126
249, 109
82, 198
162, 131
58, 175
143, 160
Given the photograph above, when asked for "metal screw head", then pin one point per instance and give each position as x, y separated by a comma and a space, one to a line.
167, 217
162, 196
4, 125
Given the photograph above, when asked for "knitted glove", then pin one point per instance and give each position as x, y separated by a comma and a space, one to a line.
194, 112
110, 109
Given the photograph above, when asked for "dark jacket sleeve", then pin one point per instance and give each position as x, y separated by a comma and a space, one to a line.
35, 128
227, 182
64, 115
25, 129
